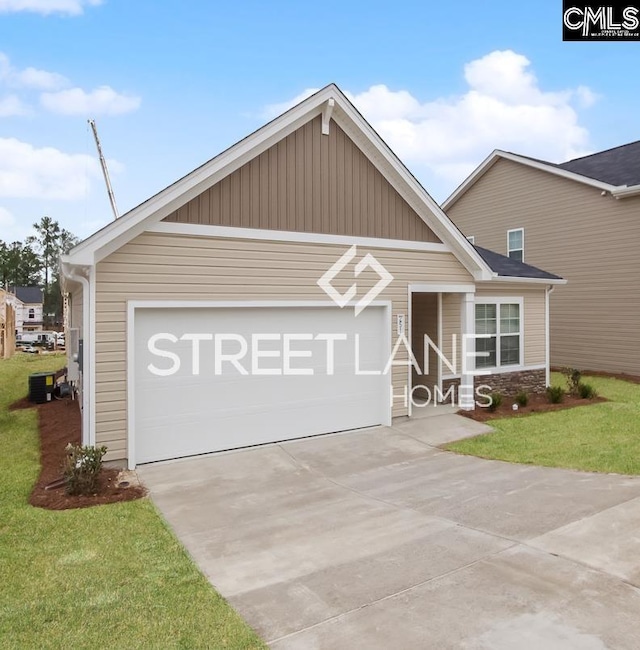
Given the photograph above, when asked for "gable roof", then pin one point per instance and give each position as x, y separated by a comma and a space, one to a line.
617, 166
575, 170
329, 102
28, 295
505, 266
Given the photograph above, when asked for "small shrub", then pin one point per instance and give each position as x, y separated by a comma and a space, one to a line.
82, 468
555, 394
573, 377
586, 391
522, 399
496, 400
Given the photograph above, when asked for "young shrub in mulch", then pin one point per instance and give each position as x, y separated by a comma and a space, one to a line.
587, 391
82, 468
496, 401
555, 394
573, 377
522, 399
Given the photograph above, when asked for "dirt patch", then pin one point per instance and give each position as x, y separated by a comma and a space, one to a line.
536, 404
59, 424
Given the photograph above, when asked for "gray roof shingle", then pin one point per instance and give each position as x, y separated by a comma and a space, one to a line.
507, 267
28, 295
617, 166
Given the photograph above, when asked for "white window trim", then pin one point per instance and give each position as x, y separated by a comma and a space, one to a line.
513, 250
514, 300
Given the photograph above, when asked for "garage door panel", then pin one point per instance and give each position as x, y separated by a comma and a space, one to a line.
185, 413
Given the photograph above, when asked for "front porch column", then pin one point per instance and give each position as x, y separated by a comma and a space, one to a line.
466, 396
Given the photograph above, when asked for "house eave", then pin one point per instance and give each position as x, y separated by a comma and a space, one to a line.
523, 280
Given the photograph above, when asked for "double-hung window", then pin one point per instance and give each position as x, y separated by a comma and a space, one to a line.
498, 333
515, 244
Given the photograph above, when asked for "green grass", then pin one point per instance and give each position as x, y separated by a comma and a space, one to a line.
109, 576
602, 437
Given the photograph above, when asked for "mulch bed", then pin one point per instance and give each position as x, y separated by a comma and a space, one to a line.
537, 404
634, 379
59, 424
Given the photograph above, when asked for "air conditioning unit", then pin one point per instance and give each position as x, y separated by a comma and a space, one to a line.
41, 386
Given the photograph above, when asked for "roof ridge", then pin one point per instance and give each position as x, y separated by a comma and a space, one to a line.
597, 153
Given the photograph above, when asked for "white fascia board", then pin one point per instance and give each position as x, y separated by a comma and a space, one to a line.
519, 280
411, 191
228, 232
623, 191
477, 173
496, 155
117, 233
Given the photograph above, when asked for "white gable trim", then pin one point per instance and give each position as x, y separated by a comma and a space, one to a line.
488, 162
117, 233
199, 230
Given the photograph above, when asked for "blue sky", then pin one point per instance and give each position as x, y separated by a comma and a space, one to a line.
171, 84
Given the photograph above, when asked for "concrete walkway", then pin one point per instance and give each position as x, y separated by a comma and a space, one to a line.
377, 539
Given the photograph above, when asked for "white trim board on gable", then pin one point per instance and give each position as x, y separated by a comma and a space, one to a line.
118, 233
617, 191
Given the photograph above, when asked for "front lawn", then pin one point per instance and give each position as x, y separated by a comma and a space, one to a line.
108, 576
602, 437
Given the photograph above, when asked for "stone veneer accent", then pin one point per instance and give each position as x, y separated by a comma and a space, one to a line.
507, 383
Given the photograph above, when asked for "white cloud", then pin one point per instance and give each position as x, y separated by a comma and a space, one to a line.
12, 105
101, 101
273, 110
41, 79
503, 108
28, 172
29, 77
46, 7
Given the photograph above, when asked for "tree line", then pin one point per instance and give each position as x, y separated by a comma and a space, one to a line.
34, 262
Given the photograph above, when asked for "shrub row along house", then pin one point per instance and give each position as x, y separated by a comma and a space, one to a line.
263, 296
580, 219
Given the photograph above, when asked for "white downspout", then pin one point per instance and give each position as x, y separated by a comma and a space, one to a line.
87, 437
547, 337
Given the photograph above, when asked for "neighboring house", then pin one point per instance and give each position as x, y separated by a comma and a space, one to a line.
580, 219
28, 304
7, 326
213, 315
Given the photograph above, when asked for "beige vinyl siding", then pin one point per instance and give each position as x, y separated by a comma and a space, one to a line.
173, 267
424, 320
589, 239
309, 182
533, 324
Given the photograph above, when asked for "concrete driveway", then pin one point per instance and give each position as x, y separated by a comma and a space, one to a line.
378, 539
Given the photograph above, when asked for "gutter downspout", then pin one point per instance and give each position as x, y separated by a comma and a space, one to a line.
87, 437
548, 292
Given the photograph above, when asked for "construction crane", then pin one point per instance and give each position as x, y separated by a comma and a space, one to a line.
105, 171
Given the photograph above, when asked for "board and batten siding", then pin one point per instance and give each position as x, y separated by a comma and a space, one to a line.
571, 230
533, 324
180, 267
309, 182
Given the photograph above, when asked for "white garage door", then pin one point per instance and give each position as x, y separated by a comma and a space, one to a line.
213, 378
